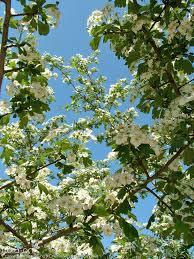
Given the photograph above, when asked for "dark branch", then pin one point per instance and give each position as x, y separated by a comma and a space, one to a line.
4, 39
159, 172
160, 199
15, 233
14, 69
159, 16
63, 232
24, 14
158, 53
186, 83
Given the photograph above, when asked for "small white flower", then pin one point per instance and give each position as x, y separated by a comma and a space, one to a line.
107, 230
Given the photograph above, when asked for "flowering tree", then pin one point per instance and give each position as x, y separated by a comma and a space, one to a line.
56, 200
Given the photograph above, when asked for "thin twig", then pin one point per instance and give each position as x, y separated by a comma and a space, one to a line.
14, 69
78, 92
186, 83
169, 75
10, 183
160, 199
15, 45
159, 16
160, 171
63, 232
24, 14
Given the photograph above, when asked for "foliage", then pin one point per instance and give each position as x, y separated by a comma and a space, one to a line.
57, 201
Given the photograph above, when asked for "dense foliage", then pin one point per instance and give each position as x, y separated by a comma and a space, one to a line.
56, 200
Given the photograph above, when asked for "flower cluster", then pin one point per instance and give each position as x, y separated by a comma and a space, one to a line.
183, 27
98, 16
19, 173
56, 197
4, 107
118, 180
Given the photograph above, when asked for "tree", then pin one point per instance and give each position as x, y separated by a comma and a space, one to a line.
56, 201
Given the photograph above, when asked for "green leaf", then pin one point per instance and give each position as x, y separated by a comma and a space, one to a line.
183, 229
176, 142
94, 43
176, 205
42, 188
4, 120
33, 24
97, 246
27, 225
133, 56
184, 65
23, 2
100, 210
133, 8
49, 5
145, 150
67, 169
124, 207
7, 154
23, 121
192, 42
99, 30
4, 199
129, 230
191, 171
122, 193
13, 24
43, 28
142, 68
188, 156
151, 219
191, 58
69, 220
120, 3
87, 161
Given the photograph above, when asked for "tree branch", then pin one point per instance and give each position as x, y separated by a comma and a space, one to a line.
144, 168
158, 53
23, 14
14, 69
60, 233
159, 16
63, 232
159, 172
4, 39
15, 45
5, 114
160, 199
15, 233
10, 183
67, 231
186, 83
70, 230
